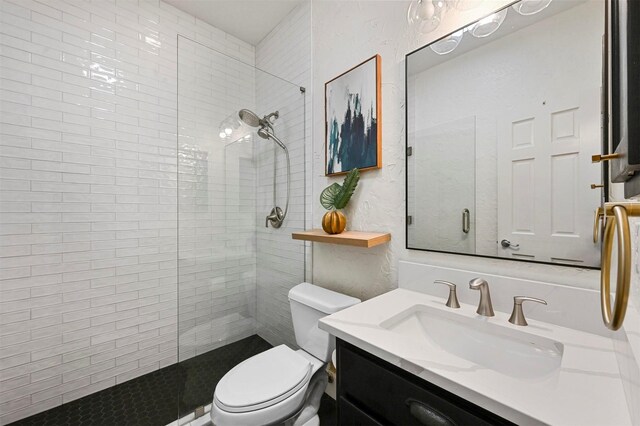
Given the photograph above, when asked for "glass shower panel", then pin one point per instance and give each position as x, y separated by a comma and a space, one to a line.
225, 191
280, 259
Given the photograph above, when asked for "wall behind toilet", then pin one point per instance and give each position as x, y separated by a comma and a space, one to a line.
344, 34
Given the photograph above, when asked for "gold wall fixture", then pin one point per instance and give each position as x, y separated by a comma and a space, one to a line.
603, 157
616, 220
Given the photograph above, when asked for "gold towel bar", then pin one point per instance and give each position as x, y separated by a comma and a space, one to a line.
616, 218
596, 225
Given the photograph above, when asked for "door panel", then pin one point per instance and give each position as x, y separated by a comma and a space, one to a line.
545, 203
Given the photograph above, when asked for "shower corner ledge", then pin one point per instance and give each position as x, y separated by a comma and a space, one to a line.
346, 238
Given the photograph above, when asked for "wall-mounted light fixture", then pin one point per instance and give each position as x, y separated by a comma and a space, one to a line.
231, 129
426, 16
466, 4
531, 7
448, 44
487, 25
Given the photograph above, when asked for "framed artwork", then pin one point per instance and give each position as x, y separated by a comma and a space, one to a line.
353, 122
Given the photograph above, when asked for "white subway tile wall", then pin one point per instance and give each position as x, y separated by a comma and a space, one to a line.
285, 52
88, 190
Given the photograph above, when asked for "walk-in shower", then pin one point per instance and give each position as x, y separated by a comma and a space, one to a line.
234, 273
135, 267
266, 131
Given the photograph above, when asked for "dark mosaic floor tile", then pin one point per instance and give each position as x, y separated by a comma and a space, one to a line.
200, 375
157, 398
328, 411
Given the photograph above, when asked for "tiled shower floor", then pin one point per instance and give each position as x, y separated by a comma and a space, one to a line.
152, 399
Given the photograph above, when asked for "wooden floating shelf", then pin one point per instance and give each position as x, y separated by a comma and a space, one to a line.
347, 238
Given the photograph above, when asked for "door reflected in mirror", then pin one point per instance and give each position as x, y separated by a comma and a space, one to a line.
501, 131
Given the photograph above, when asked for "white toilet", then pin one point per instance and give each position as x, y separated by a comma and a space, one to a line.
276, 385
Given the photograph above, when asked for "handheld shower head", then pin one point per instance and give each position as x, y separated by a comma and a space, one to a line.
265, 129
264, 133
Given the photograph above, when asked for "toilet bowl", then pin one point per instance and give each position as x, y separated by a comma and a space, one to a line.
282, 385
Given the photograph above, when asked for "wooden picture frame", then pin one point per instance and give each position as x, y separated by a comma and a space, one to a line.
353, 119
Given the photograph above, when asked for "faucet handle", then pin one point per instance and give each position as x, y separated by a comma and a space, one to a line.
517, 315
452, 301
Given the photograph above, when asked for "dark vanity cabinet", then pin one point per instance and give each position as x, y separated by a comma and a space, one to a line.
374, 392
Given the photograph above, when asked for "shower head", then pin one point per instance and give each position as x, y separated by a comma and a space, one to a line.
265, 128
250, 118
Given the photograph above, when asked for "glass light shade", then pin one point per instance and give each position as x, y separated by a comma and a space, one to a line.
448, 44
466, 4
487, 26
231, 128
531, 7
426, 14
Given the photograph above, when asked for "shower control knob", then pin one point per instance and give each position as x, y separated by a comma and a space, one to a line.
275, 217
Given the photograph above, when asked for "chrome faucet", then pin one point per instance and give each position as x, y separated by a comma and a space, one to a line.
484, 307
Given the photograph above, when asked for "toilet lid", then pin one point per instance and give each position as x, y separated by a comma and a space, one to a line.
263, 380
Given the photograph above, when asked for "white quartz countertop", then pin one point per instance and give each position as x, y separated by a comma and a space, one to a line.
585, 390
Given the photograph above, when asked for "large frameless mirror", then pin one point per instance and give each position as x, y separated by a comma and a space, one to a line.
502, 119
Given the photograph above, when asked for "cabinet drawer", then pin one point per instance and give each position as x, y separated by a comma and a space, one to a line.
387, 392
350, 415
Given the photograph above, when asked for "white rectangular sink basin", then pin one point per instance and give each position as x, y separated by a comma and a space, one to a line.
503, 349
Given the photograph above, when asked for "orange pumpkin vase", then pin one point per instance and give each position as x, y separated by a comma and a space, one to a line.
334, 222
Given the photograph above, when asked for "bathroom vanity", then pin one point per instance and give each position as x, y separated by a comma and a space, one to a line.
405, 357
372, 391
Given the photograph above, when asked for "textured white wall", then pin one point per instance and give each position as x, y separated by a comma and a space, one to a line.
88, 189
285, 52
358, 30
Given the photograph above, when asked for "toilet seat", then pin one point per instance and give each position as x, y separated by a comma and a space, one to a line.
263, 380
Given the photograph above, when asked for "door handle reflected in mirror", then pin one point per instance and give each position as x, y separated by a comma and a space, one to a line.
466, 222
509, 244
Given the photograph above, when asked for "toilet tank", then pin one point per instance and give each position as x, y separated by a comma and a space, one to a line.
309, 303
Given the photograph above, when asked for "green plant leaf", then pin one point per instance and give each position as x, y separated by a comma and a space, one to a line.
328, 196
348, 187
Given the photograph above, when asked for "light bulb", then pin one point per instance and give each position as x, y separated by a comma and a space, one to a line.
228, 131
223, 135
